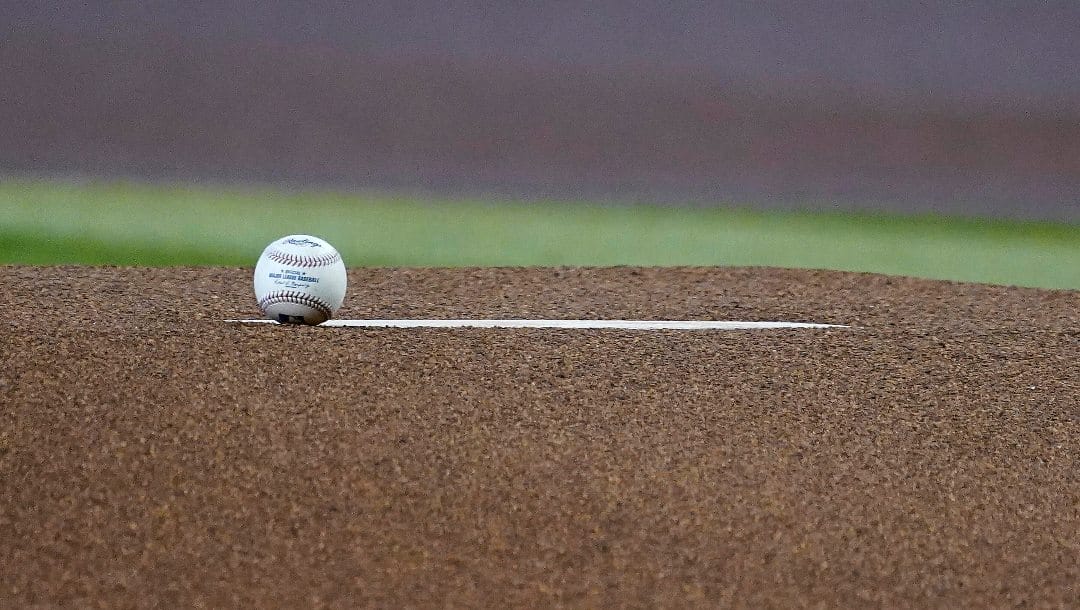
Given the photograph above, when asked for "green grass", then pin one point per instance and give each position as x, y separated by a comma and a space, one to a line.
135, 224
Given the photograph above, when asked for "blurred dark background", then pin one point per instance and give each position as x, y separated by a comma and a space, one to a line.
968, 108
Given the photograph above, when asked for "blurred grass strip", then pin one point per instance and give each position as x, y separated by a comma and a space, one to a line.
46, 222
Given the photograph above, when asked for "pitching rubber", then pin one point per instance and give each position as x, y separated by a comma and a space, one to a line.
568, 324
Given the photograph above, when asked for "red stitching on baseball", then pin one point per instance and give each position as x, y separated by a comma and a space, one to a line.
289, 296
294, 260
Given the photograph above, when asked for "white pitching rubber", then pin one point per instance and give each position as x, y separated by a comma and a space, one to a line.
575, 324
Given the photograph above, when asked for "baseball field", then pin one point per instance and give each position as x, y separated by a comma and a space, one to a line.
903, 176
152, 454
144, 224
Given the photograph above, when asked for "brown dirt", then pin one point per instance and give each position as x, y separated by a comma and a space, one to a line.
151, 454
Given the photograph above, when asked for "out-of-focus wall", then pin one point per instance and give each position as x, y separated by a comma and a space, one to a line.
953, 107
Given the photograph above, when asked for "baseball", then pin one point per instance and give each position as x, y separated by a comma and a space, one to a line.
300, 279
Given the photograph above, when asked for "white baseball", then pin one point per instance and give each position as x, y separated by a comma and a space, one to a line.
300, 279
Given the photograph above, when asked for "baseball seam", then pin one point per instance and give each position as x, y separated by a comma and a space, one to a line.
289, 296
295, 260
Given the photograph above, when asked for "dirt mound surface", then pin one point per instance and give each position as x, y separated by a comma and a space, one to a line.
151, 454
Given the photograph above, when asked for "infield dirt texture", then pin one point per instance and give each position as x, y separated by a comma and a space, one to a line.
151, 454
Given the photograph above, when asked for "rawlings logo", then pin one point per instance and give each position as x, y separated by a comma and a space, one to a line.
303, 242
